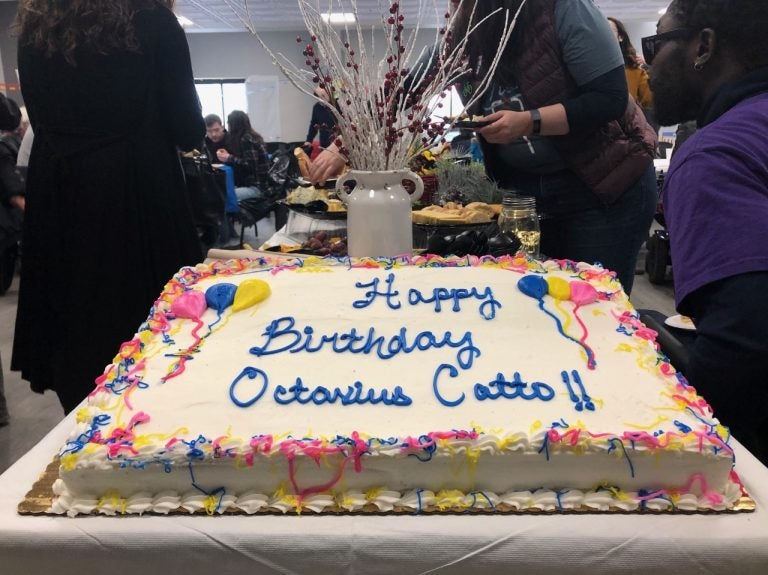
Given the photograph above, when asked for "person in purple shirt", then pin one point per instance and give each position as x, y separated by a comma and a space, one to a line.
709, 62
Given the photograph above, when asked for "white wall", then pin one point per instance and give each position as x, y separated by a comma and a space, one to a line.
638, 30
239, 55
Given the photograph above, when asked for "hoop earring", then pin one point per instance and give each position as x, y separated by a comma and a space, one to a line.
698, 66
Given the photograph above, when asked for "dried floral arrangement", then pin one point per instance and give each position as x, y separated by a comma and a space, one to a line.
383, 106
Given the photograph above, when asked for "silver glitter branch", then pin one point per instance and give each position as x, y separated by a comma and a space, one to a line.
383, 108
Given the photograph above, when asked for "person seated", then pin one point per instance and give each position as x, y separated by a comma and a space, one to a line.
709, 61
246, 153
215, 136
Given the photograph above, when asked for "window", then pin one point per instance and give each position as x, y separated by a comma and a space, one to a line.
220, 97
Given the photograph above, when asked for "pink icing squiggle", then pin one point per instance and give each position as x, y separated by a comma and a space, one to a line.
416, 444
302, 493
134, 382
714, 499
699, 405
261, 443
570, 437
180, 365
591, 364
315, 449
663, 441
122, 438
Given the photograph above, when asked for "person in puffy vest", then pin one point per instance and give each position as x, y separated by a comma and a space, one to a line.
563, 128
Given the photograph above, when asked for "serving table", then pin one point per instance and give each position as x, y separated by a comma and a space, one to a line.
371, 545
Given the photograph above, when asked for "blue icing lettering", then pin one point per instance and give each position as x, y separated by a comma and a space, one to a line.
354, 395
487, 309
389, 294
500, 387
581, 400
251, 373
281, 336
452, 372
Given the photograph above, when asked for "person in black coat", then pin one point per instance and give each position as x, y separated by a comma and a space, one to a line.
109, 90
322, 123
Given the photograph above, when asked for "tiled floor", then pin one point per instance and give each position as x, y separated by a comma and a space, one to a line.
33, 415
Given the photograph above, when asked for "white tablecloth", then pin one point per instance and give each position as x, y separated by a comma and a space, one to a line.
409, 545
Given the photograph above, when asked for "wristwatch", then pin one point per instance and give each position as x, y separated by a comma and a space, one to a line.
536, 117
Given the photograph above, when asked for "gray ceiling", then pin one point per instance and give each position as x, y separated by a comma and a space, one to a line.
228, 15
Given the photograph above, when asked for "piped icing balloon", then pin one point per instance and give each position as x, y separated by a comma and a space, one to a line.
559, 289
582, 293
249, 293
533, 286
220, 296
189, 305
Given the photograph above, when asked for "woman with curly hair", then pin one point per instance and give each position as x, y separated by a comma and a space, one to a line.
109, 90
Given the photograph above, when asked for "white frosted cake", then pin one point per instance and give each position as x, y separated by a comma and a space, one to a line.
421, 385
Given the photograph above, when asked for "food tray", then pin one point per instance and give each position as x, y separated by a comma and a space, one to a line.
316, 215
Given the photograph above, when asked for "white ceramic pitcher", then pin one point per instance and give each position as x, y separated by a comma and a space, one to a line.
379, 212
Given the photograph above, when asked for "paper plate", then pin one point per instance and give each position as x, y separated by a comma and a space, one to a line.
680, 322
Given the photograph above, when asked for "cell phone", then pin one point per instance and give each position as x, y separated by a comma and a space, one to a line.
470, 125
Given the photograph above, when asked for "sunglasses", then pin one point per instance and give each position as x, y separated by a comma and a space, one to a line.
652, 44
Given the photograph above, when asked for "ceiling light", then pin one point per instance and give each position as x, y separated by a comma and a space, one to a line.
662, 11
339, 17
184, 21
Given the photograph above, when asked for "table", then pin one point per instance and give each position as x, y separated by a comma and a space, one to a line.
372, 545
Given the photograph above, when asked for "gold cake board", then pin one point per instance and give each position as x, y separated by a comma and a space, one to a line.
39, 499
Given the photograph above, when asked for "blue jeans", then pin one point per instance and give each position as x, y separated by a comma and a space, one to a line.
576, 225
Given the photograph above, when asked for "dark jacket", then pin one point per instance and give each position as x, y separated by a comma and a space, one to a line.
11, 180
250, 162
107, 219
322, 121
211, 147
609, 160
